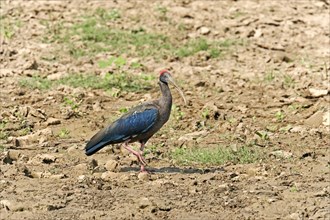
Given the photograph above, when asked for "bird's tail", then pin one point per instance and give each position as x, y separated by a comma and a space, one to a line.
97, 142
93, 148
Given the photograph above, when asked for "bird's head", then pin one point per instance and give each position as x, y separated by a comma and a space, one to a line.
165, 77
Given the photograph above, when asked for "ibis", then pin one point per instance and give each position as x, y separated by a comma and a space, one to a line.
139, 124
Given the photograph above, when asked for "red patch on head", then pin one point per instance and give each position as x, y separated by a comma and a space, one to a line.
163, 71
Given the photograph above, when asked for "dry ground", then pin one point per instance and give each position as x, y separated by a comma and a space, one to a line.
256, 74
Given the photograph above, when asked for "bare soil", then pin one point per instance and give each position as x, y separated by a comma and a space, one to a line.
275, 84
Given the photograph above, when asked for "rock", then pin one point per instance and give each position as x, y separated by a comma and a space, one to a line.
144, 176
6, 204
97, 106
43, 140
53, 121
297, 129
193, 135
72, 149
281, 154
81, 178
37, 175
56, 76
111, 165
108, 175
144, 203
193, 190
223, 187
58, 176
30, 65
54, 207
12, 206
326, 118
163, 205
317, 92
204, 30
315, 120
92, 164
29, 139
80, 169
294, 216
11, 155
37, 113
43, 158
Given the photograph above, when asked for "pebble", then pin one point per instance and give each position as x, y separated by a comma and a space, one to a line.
53, 121
281, 154
317, 92
43, 158
204, 30
108, 175
144, 203
111, 165
81, 178
315, 120
144, 176
297, 129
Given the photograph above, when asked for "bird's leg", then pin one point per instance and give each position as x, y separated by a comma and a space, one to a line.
143, 170
137, 154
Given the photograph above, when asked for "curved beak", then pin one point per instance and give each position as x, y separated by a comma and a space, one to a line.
171, 80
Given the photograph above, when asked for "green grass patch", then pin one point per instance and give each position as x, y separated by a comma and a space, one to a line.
3, 133
2, 148
121, 81
215, 156
9, 27
95, 33
35, 82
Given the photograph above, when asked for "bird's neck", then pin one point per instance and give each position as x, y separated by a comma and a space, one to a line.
166, 98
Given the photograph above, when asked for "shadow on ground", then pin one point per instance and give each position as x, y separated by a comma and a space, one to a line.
175, 170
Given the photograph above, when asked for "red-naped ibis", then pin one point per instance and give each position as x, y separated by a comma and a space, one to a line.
138, 124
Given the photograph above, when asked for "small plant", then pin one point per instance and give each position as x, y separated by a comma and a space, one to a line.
123, 110
288, 81
231, 120
3, 133
182, 27
279, 116
8, 27
64, 133
25, 131
151, 149
136, 65
162, 12
2, 148
206, 113
106, 15
286, 128
70, 102
237, 14
177, 113
294, 188
263, 135
54, 170
270, 76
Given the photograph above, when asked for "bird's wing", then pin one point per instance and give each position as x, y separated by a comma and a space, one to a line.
137, 121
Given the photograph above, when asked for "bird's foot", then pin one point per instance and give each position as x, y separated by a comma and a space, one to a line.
143, 170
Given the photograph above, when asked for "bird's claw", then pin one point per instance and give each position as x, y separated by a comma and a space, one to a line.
142, 160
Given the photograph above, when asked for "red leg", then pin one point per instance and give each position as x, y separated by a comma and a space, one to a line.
143, 170
137, 154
